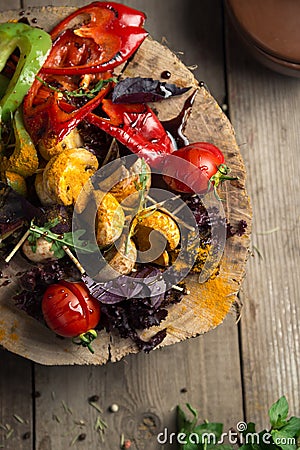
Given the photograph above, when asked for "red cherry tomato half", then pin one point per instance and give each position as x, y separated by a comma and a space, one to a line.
69, 309
207, 159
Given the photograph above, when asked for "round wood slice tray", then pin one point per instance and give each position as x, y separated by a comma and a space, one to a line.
207, 304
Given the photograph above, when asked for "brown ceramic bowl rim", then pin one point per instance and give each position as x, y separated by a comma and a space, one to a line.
264, 50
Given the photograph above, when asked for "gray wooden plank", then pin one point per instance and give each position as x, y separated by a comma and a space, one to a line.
13, 4
264, 109
146, 388
15, 402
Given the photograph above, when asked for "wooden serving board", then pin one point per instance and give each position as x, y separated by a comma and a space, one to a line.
207, 304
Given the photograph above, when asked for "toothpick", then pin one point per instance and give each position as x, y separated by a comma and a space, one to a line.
74, 259
16, 248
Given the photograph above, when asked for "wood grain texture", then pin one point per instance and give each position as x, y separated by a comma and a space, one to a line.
264, 108
15, 402
13, 4
207, 304
146, 388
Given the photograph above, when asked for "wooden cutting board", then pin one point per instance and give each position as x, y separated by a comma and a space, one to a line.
207, 304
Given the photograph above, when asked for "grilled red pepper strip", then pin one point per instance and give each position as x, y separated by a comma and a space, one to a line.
138, 128
49, 121
107, 34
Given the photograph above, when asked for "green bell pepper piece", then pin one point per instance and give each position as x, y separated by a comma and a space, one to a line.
4, 82
34, 45
24, 159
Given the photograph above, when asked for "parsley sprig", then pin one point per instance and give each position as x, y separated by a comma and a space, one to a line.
80, 92
69, 239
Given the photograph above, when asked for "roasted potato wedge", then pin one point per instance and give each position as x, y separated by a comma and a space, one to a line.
110, 219
66, 173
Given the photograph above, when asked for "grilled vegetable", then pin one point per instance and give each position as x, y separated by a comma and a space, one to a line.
24, 159
166, 229
120, 259
110, 220
41, 252
34, 45
72, 140
106, 33
70, 311
66, 174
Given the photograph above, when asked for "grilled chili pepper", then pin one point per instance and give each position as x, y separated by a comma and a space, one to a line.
106, 35
138, 128
34, 45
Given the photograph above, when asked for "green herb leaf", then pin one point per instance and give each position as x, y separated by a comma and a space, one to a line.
279, 412
80, 92
284, 440
210, 428
292, 427
58, 241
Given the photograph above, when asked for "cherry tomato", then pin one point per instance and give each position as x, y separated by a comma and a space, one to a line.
209, 171
69, 309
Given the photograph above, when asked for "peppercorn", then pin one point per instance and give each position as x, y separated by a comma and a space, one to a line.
82, 437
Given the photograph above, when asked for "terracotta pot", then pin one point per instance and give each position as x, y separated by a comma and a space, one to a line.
271, 31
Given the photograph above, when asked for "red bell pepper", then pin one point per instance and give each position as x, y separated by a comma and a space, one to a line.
138, 128
95, 38
48, 120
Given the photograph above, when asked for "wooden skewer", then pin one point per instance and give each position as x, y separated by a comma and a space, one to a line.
180, 289
17, 246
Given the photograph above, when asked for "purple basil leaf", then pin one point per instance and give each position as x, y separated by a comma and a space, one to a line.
144, 90
97, 290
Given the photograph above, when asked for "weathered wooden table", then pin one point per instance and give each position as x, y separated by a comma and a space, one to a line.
236, 371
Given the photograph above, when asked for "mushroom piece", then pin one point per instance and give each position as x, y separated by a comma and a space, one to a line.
72, 140
128, 183
42, 251
155, 234
110, 220
120, 259
41, 192
66, 174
